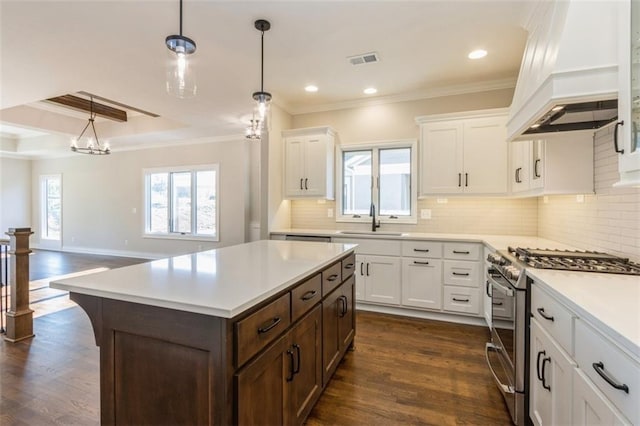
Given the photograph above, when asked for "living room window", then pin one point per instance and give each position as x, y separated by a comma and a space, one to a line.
182, 202
51, 207
380, 174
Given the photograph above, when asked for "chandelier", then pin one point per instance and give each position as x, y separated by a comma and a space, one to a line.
93, 146
262, 98
180, 79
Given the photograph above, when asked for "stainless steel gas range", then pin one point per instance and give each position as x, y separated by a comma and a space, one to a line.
506, 284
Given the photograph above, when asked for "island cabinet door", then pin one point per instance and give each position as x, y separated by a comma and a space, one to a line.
261, 386
305, 381
346, 314
331, 309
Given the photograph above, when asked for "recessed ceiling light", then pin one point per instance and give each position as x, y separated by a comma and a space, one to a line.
557, 108
311, 88
370, 91
477, 54
535, 126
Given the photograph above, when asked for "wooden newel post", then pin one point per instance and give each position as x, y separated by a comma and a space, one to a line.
19, 317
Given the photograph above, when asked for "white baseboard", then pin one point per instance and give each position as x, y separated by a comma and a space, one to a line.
415, 313
106, 252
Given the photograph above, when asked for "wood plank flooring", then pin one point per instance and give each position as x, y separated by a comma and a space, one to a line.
402, 371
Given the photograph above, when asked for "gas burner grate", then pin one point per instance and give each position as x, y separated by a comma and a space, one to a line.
582, 261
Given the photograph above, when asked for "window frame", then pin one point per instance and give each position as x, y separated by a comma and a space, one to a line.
44, 218
375, 147
146, 208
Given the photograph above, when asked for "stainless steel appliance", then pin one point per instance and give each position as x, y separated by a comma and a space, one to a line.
508, 354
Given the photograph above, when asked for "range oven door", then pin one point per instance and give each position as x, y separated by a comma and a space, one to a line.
501, 351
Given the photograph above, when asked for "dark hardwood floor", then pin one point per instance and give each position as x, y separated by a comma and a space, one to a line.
402, 371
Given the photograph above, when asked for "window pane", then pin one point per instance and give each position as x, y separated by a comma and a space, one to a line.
159, 199
395, 181
181, 202
53, 207
206, 203
356, 182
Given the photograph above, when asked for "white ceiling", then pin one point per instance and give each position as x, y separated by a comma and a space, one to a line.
115, 49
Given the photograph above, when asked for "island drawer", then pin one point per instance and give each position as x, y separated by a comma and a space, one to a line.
348, 266
428, 249
305, 296
331, 278
260, 328
553, 316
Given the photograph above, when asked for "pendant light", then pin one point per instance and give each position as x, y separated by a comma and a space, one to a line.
262, 98
92, 147
180, 77
254, 130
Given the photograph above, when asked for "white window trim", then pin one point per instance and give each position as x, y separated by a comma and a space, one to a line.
171, 235
385, 219
45, 241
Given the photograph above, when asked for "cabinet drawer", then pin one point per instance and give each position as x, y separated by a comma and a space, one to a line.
462, 251
422, 249
462, 299
331, 278
305, 296
348, 266
595, 352
260, 328
462, 273
554, 317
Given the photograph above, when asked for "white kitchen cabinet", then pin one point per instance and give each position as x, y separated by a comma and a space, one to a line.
590, 406
627, 139
422, 283
309, 163
550, 380
539, 167
379, 278
463, 154
461, 299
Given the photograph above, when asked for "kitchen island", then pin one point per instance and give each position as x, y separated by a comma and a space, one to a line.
248, 334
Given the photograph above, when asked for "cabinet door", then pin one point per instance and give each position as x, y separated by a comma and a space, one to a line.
520, 170
315, 175
264, 380
294, 167
537, 164
347, 319
306, 385
550, 381
441, 158
485, 156
382, 279
360, 276
330, 334
422, 283
590, 406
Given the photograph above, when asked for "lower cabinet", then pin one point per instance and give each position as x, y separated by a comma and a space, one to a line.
590, 406
422, 283
550, 380
286, 378
378, 279
338, 326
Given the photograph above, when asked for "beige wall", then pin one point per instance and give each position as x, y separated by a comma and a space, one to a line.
101, 193
15, 194
608, 221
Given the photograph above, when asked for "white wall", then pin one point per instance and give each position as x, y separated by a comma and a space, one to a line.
101, 193
15, 194
608, 221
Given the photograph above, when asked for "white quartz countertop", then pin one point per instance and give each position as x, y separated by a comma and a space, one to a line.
611, 302
222, 282
494, 242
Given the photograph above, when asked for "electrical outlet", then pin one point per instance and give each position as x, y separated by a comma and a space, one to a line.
442, 200
545, 199
425, 214
126, 242
322, 201
329, 212
134, 210
73, 239
580, 198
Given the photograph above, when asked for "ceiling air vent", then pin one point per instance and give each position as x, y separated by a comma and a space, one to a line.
365, 58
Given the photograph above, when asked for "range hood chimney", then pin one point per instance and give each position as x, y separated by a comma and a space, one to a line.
568, 78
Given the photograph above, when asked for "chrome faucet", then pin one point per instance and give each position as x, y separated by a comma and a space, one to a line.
372, 213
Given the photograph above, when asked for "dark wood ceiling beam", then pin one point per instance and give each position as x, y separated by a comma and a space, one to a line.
81, 104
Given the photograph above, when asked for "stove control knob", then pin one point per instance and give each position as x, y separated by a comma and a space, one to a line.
496, 259
513, 272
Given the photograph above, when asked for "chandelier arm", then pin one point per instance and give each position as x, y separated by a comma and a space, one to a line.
84, 130
95, 134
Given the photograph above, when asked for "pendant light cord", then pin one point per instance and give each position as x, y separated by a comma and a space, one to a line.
262, 62
180, 17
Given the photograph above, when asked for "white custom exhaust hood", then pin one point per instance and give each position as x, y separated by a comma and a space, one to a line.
568, 78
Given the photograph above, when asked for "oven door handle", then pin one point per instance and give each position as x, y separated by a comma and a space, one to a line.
504, 388
506, 290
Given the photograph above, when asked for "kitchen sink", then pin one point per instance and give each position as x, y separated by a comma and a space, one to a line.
393, 234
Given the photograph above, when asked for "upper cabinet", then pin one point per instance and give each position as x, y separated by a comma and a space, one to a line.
627, 132
463, 153
309, 163
539, 167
